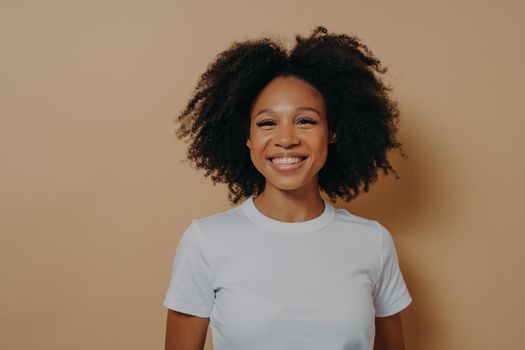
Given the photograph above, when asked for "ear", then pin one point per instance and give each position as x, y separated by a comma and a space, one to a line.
248, 143
332, 138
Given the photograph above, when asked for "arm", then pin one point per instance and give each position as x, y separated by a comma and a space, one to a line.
389, 333
185, 332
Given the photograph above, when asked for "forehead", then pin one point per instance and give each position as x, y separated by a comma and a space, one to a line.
288, 92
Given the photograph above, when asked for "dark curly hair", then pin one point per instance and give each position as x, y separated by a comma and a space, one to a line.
358, 108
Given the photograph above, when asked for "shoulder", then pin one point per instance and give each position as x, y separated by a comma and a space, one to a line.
219, 222
358, 223
371, 231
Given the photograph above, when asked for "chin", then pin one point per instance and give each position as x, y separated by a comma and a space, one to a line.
289, 185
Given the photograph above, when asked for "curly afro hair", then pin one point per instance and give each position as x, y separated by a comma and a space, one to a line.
358, 107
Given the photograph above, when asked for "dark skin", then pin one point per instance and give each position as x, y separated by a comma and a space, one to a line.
281, 123
185, 332
389, 333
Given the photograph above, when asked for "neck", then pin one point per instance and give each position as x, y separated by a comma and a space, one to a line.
290, 206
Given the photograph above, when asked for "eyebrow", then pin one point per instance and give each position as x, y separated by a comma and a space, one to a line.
298, 109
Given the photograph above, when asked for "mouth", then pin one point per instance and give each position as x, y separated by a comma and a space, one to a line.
286, 164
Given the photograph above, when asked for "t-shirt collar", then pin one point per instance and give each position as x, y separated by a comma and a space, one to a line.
317, 223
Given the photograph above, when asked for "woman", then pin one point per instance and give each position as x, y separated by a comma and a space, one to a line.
285, 269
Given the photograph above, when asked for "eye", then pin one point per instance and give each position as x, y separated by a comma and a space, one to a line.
264, 122
307, 121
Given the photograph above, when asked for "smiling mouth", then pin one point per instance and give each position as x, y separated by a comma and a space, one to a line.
286, 160
292, 164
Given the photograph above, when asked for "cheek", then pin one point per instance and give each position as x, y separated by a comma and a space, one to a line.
259, 142
321, 150
319, 142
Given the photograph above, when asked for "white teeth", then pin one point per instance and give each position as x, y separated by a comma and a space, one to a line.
286, 160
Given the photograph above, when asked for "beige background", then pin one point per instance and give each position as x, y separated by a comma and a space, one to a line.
94, 196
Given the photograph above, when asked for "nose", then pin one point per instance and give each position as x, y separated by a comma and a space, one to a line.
286, 136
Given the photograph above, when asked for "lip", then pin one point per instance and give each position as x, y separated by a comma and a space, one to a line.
286, 168
287, 154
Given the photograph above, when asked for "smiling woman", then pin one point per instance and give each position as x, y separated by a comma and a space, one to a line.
286, 269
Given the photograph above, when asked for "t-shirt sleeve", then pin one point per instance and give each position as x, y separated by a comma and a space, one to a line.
390, 294
190, 289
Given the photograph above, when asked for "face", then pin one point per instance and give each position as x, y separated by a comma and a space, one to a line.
288, 124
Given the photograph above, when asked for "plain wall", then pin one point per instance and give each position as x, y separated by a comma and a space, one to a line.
94, 194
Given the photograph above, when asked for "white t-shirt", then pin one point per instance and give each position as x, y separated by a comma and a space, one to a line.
267, 284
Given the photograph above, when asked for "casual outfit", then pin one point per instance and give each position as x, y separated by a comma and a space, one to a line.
267, 284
